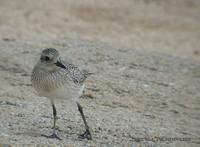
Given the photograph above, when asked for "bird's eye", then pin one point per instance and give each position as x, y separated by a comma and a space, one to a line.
46, 58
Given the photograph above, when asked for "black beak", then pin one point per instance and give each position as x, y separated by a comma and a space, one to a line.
59, 64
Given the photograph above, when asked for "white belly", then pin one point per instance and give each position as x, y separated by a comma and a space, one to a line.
65, 92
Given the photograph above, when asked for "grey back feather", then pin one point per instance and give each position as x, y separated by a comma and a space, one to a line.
78, 76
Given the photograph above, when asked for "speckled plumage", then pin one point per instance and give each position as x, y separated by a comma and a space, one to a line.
55, 79
47, 78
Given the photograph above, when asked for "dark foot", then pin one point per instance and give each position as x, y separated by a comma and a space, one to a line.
54, 135
86, 135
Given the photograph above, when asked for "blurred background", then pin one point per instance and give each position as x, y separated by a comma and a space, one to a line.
170, 26
146, 58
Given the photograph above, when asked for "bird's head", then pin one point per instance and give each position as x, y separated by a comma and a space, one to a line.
50, 59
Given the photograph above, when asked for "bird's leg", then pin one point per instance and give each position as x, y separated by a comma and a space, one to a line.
54, 135
87, 133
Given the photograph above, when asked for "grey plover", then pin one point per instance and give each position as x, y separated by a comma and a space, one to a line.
57, 79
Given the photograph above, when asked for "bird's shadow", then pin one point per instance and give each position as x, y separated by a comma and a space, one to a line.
36, 133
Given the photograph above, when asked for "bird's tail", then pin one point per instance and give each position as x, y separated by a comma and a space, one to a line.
86, 73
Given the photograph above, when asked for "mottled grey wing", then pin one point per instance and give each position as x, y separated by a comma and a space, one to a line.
76, 75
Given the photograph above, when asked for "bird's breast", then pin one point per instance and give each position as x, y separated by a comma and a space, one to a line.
56, 86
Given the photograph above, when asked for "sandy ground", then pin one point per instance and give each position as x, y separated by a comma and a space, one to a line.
145, 56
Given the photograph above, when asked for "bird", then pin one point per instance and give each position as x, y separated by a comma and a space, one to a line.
55, 79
